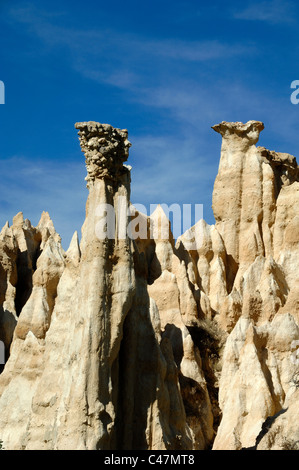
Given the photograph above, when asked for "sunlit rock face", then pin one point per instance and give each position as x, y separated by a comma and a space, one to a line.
146, 342
255, 203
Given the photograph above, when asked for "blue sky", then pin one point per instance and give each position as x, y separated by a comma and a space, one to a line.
166, 71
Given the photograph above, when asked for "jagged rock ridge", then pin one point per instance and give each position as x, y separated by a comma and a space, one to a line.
144, 343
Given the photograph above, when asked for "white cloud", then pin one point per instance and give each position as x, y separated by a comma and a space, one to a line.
274, 12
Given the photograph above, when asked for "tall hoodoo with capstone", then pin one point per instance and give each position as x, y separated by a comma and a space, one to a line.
146, 343
100, 378
255, 203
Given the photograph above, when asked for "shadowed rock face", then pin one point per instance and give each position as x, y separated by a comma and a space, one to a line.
149, 344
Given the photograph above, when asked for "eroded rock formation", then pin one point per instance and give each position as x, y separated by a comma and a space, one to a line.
145, 342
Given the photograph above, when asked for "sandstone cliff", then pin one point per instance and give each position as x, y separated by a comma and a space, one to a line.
144, 342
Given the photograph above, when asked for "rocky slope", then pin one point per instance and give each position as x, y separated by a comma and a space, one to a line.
142, 342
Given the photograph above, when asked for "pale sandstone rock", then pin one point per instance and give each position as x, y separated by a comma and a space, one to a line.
38, 270
8, 282
256, 379
237, 196
260, 234
280, 431
124, 344
177, 301
21, 245
95, 371
209, 260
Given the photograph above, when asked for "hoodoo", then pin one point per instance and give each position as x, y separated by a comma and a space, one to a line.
127, 342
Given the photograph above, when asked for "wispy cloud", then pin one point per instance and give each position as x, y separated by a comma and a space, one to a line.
174, 171
190, 85
273, 12
42, 185
124, 59
193, 51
